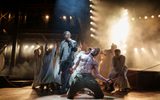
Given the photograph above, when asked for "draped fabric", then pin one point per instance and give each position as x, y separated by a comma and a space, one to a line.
47, 71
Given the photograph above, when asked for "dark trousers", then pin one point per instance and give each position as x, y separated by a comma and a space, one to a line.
65, 76
85, 81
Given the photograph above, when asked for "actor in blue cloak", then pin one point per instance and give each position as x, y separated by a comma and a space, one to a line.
47, 70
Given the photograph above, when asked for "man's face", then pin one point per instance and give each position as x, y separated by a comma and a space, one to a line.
117, 53
67, 36
95, 52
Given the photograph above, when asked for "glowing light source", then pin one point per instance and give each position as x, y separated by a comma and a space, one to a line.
91, 5
91, 11
124, 51
26, 46
145, 17
70, 17
91, 17
92, 23
92, 35
92, 29
120, 29
47, 17
51, 46
64, 17
9, 16
135, 49
140, 17
159, 16
152, 16
32, 46
133, 19
142, 49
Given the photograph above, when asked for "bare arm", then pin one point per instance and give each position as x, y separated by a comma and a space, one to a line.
98, 75
76, 64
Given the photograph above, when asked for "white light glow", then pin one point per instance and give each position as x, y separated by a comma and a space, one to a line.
152, 16
64, 17
70, 17
92, 35
32, 46
92, 29
91, 11
51, 46
145, 17
136, 49
120, 29
133, 19
26, 46
142, 49
91, 5
47, 17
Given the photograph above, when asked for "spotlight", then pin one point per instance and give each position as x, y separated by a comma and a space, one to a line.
32, 46
91, 5
70, 17
92, 23
125, 12
133, 19
90, 0
26, 46
91, 11
51, 46
125, 46
64, 17
152, 16
92, 29
47, 17
159, 16
9, 16
124, 51
92, 35
145, 17
135, 49
142, 49
91, 17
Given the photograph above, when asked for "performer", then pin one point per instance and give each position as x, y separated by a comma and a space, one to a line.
85, 65
67, 49
105, 65
47, 71
119, 71
38, 57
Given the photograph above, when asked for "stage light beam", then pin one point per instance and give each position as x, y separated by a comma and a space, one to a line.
152, 16
64, 17
47, 17
145, 17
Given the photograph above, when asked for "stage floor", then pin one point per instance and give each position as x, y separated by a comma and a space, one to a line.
26, 93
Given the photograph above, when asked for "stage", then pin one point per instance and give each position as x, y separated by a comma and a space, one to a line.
26, 93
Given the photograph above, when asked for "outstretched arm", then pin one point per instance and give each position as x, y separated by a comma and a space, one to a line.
98, 75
